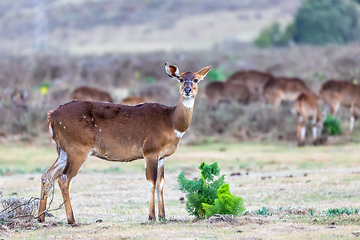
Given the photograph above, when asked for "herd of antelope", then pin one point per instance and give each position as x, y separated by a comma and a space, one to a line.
244, 86
152, 131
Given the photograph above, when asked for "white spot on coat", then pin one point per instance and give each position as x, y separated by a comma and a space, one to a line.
179, 134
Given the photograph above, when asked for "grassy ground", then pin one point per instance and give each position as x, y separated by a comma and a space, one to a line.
286, 190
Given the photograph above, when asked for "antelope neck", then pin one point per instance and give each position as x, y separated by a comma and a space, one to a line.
182, 116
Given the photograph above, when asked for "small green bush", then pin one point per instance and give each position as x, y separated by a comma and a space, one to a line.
331, 126
264, 211
206, 196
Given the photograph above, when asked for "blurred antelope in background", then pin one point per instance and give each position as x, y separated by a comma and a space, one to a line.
284, 89
89, 93
133, 100
253, 80
217, 92
117, 132
306, 107
19, 98
335, 93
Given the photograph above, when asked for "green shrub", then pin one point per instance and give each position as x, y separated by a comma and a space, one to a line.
225, 204
206, 196
331, 126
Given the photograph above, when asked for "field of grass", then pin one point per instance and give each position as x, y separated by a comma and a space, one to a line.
287, 192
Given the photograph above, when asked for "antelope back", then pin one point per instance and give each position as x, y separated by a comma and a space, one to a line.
133, 100
254, 80
288, 88
306, 105
93, 94
342, 92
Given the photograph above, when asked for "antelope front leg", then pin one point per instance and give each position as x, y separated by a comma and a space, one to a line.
151, 171
159, 188
352, 118
314, 128
301, 130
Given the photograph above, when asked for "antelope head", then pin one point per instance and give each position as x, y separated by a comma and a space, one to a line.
188, 82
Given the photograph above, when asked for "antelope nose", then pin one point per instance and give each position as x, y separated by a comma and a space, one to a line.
187, 90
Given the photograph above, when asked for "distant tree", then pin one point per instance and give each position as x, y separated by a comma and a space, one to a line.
321, 22
274, 36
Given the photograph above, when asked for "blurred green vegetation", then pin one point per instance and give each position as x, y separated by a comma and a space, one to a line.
319, 22
331, 126
216, 74
322, 22
274, 36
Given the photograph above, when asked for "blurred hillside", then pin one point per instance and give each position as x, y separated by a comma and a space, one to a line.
108, 26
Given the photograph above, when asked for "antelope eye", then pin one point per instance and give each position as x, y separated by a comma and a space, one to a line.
181, 80
196, 80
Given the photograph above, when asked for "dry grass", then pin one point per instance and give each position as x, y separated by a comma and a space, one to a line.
297, 181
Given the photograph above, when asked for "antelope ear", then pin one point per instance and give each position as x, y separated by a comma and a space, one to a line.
172, 71
202, 72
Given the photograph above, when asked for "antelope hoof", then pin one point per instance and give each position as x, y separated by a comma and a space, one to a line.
301, 144
74, 224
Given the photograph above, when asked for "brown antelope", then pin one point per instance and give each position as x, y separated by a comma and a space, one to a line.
133, 100
336, 92
217, 92
252, 79
89, 93
283, 88
19, 98
305, 108
122, 133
